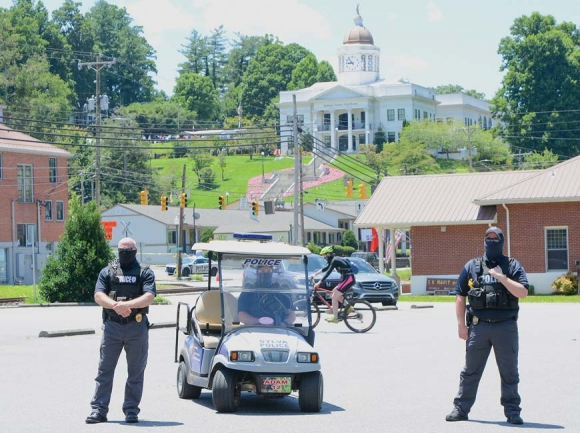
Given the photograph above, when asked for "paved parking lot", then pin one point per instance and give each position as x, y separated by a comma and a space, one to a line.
400, 377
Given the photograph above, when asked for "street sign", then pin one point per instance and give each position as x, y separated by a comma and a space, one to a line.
244, 203
320, 206
359, 206
195, 216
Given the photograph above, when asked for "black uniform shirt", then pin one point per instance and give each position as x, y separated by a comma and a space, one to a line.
516, 272
104, 280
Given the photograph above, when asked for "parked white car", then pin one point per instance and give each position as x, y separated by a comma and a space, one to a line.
189, 265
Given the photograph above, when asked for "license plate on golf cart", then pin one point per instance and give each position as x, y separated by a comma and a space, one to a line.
275, 384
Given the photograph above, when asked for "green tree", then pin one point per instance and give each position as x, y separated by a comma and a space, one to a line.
159, 117
377, 162
325, 72
196, 53
539, 96
198, 94
109, 30
82, 252
305, 74
206, 235
349, 240
126, 169
269, 73
450, 89
411, 157
217, 57
379, 139
201, 159
538, 160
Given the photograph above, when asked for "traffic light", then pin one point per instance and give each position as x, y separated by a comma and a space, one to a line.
183, 200
163, 202
222, 202
144, 199
362, 191
255, 209
349, 188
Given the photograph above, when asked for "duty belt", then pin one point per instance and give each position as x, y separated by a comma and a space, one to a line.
137, 317
476, 320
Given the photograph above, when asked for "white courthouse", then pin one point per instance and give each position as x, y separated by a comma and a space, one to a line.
347, 113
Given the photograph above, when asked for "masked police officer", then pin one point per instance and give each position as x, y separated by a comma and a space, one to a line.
493, 284
124, 289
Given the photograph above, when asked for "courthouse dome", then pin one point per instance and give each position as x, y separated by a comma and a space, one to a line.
358, 34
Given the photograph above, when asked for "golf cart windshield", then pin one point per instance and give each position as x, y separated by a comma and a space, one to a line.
254, 287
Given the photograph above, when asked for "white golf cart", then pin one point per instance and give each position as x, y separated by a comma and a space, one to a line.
254, 337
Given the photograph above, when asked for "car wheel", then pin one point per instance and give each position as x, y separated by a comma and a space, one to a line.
185, 272
225, 394
184, 389
310, 392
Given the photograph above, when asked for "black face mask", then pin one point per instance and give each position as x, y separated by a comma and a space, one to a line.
126, 257
493, 250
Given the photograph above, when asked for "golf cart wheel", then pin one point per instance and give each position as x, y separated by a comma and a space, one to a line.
361, 318
310, 392
225, 395
184, 389
185, 272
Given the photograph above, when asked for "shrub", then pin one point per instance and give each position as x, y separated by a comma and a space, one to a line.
314, 249
564, 286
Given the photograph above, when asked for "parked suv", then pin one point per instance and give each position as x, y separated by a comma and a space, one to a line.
371, 258
370, 285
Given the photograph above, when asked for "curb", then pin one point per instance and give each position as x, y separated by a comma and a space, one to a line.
71, 332
162, 325
51, 334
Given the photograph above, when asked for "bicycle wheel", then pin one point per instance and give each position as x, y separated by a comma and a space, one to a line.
361, 318
300, 308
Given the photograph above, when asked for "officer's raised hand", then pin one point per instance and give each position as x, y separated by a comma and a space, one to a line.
497, 273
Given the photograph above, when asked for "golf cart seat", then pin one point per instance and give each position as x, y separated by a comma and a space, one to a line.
208, 314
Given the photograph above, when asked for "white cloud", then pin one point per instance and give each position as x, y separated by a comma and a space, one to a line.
433, 12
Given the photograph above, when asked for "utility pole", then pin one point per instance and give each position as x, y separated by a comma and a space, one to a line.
180, 226
97, 66
301, 204
296, 169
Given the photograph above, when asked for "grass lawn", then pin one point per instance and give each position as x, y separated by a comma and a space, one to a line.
237, 171
28, 292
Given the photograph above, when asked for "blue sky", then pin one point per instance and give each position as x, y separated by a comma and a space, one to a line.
430, 42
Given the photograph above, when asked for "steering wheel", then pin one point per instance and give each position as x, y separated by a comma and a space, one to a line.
274, 305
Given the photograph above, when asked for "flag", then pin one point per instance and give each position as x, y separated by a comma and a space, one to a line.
374, 240
398, 236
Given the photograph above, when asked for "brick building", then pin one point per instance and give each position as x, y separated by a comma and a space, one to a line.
447, 216
33, 204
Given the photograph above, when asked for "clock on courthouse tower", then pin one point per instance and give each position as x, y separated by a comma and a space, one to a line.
352, 62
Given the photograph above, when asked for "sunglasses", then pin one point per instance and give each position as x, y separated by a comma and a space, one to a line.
493, 240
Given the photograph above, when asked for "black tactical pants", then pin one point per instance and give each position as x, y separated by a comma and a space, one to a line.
134, 338
503, 337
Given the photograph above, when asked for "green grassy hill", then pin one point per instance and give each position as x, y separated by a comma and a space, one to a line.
240, 168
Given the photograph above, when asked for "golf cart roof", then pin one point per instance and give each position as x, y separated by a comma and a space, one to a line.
257, 248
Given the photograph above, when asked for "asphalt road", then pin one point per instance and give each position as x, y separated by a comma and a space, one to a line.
400, 377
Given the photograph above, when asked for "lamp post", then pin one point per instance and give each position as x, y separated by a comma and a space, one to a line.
263, 178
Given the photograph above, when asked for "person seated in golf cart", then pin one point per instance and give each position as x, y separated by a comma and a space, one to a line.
263, 305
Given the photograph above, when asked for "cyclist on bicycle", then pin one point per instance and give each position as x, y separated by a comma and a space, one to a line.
342, 266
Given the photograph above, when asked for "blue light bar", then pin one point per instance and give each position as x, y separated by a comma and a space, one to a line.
252, 236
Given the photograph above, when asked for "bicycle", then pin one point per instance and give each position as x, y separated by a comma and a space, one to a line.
358, 315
